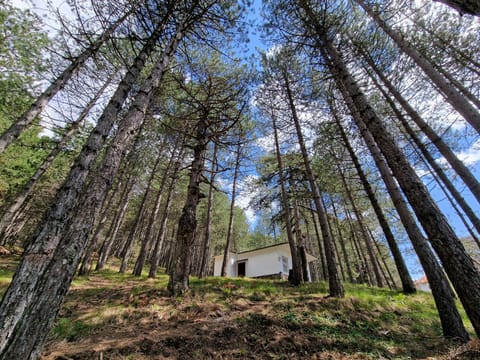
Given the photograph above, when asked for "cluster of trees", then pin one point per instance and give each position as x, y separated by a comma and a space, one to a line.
164, 114
147, 112
336, 74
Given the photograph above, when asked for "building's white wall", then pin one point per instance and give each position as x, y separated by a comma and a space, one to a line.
284, 252
262, 263
217, 266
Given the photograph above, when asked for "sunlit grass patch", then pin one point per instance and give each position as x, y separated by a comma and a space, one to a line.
71, 330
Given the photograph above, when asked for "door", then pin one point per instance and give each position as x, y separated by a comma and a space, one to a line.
241, 268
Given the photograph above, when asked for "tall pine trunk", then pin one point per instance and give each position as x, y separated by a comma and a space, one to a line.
178, 282
342, 241
335, 286
407, 283
148, 241
160, 240
226, 250
313, 214
361, 225
208, 219
295, 277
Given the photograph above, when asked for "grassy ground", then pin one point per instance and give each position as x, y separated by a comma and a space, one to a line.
112, 316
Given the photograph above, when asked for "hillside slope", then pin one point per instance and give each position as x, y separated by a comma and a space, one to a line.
112, 316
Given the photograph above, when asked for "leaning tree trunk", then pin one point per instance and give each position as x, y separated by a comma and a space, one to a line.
300, 238
113, 201
135, 230
443, 295
389, 279
407, 283
335, 245
457, 165
111, 236
30, 306
335, 285
457, 263
365, 274
429, 158
27, 189
123, 200
313, 266
342, 241
296, 275
451, 94
452, 202
313, 214
361, 224
232, 210
58, 84
465, 92
179, 273
208, 219
471, 7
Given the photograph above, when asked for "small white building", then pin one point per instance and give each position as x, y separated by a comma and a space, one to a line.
423, 284
271, 261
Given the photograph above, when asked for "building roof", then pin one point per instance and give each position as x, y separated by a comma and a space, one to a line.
263, 247
422, 280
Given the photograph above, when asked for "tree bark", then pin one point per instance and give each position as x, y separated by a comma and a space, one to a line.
111, 237
159, 243
179, 277
123, 201
296, 276
135, 230
208, 220
320, 247
149, 238
335, 245
342, 242
443, 295
300, 239
364, 272
390, 281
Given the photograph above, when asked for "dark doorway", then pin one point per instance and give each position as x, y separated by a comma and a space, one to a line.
241, 266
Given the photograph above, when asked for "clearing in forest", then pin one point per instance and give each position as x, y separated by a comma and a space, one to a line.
108, 315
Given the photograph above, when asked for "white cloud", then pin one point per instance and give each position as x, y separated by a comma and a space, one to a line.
246, 192
471, 155
274, 50
46, 11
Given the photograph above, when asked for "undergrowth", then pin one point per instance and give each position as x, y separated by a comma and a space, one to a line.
245, 318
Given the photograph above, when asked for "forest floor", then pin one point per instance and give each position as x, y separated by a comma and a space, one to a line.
113, 316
